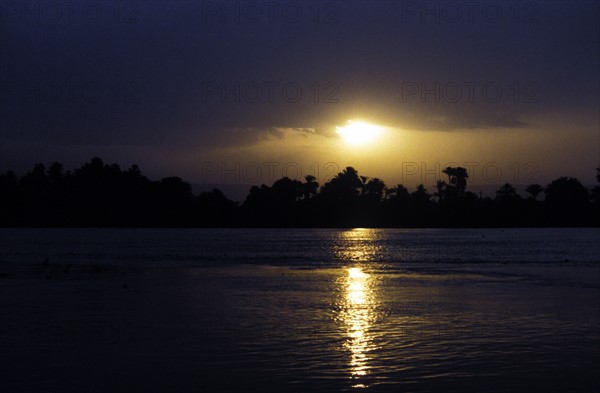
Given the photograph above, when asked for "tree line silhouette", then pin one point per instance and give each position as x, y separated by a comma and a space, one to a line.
101, 195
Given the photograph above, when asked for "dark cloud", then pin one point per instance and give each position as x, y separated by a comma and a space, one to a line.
245, 136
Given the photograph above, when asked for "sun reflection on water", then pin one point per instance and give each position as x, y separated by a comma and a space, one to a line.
357, 319
357, 315
358, 303
358, 245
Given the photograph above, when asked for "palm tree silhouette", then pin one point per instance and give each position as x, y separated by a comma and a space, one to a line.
310, 187
534, 190
457, 178
440, 186
421, 195
345, 185
374, 189
506, 192
390, 192
566, 192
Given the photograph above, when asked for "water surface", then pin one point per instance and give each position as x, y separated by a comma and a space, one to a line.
306, 310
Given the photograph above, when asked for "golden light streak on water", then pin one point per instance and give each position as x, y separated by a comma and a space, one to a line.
357, 316
358, 311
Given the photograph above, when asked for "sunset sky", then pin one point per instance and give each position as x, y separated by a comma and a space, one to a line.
246, 92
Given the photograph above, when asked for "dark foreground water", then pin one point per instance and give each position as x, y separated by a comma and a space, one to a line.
406, 310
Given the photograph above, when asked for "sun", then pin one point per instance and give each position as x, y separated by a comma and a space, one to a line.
359, 133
